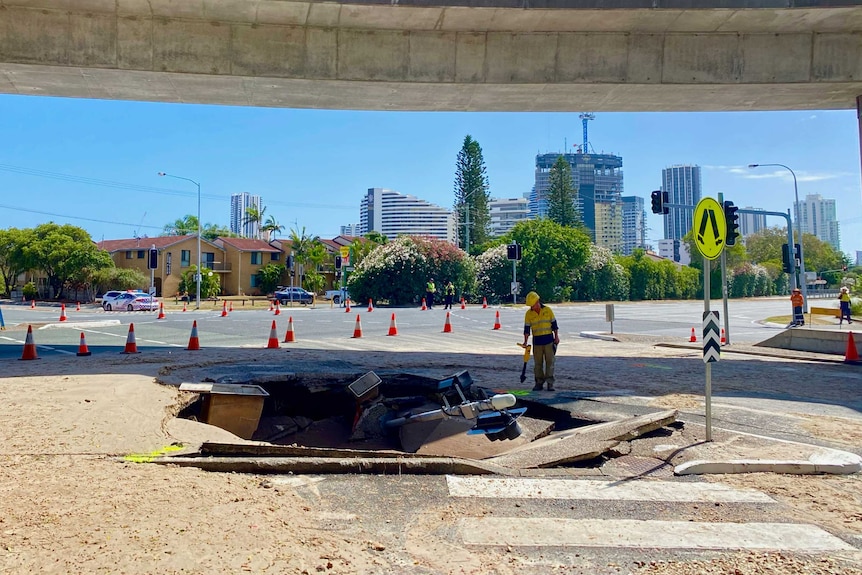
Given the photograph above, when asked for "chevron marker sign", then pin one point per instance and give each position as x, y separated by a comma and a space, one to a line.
711, 337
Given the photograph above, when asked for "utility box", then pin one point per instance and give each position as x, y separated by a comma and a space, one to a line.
233, 407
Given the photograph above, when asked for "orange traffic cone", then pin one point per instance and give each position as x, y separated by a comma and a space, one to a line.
424, 307
194, 342
161, 310
277, 308
184, 306
370, 305
723, 340
230, 308
357, 331
224, 309
273, 337
289, 335
270, 305
78, 306
693, 337
484, 303
82, 348
393, 329
447, 327
32, 304
63, 312
463, 304
29, 346
497, 321
850, 356
131, 345
347, 303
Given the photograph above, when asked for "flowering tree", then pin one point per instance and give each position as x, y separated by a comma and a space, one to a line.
398, 270
493, 274
601, 278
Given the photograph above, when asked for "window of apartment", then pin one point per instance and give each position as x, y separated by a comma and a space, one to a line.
208, 260
185, 258
274, 256
130, 255
256, 258
141, 254
254, 281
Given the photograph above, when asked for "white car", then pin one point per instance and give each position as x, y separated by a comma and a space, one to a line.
129, 301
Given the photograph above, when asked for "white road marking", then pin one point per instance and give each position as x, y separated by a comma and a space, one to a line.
639, 490
632, 533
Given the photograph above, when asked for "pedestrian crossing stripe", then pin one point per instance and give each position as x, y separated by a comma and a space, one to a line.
645, 534
543, 488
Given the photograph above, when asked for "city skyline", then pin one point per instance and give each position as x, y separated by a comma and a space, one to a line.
94, 163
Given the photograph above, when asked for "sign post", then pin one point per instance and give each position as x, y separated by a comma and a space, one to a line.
345, 261
710, 231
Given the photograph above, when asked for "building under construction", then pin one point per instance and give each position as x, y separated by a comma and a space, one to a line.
597, 180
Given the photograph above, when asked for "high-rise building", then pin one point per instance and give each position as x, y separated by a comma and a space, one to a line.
634, 224
505, 213
350, 230
675, 250
818, 217
682, 183
598, 183
751, 223
393, 214
239, 225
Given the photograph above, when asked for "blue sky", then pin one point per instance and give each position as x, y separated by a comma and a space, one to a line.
94, 163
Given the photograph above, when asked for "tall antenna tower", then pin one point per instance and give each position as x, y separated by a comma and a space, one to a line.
586, 117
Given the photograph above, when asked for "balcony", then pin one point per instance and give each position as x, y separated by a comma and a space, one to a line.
217, 266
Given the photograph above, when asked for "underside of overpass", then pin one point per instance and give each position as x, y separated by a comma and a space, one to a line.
468, 55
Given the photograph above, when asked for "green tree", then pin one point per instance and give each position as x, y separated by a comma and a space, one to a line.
62, 252
12, 259
397, 271
302, 245
269, 276
114, 278
472, 195
271, 228
210, 284
552, 254
185, 226
213, 231
254, 216
494, 275
601, 278
561, 195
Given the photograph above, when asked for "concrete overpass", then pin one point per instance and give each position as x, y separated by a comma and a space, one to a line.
509, 55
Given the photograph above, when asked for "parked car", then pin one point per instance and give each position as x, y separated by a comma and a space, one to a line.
129, 301
293, 294
336, 295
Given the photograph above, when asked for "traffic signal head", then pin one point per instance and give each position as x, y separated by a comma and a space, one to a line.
656, 198
338, 262
513, 252
785, 257
153, 259
732, 220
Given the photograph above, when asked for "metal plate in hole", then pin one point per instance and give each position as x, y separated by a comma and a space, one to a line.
365, 384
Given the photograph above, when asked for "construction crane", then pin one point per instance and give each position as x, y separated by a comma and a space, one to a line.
586, 117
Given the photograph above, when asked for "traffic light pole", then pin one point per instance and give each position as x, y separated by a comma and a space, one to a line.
793, 282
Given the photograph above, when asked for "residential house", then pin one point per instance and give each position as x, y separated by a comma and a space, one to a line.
176, 255
244, 258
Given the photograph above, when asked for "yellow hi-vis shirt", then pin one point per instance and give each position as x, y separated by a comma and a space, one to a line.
542, 324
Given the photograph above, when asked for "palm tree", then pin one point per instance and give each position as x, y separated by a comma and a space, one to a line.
302, 245
185, 226
254, 216
271, 227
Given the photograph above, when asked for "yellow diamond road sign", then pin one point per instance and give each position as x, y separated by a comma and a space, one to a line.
709, 228
345, 251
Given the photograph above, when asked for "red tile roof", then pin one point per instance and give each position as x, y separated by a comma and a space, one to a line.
160, 242
248, 245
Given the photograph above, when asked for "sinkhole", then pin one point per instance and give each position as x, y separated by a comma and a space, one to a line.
393, 411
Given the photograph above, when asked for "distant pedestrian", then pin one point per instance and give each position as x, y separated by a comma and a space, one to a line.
430, 290
450, 294
844, 302
540, 321
796, 301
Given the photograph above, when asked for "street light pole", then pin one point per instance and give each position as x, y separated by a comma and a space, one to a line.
802, 282
199, 274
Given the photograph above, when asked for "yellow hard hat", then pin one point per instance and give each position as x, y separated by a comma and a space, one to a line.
532, 298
